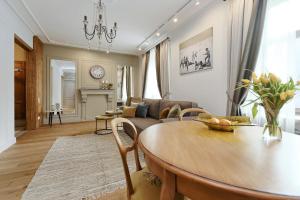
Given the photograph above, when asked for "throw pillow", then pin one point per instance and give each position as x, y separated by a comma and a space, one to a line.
174, 111
128, 111
141, 111
164, 113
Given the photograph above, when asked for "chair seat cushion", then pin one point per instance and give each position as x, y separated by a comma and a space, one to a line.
144, 188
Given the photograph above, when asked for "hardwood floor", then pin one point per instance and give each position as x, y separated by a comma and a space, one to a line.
19, 163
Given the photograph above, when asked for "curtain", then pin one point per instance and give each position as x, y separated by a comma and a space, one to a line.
245, 38
157, 62
121, 82
145, 74
239, 23
278, 55
124, 85
251, 51
128, 83
164, 68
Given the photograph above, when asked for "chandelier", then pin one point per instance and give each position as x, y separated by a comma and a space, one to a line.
100, 27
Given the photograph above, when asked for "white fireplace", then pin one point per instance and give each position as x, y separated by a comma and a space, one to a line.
95, 102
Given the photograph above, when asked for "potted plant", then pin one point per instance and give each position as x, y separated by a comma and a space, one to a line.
271, 93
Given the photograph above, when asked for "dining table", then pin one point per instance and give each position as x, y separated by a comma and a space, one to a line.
200, 163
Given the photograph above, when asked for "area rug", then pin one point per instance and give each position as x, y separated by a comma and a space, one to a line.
81, 167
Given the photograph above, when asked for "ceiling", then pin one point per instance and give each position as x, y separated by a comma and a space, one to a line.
60, 21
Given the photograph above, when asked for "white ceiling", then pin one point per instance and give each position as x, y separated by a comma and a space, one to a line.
60, 21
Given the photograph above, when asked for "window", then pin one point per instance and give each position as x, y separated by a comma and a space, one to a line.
151, 87
124, 85
278, 54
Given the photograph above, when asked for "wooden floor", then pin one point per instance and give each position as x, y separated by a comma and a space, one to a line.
19, 163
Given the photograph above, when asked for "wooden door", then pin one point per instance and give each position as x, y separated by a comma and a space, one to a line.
20, 90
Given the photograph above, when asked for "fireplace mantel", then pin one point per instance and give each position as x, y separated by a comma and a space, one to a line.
91, 91
85, 92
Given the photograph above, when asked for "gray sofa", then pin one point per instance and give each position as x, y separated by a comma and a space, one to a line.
155, 106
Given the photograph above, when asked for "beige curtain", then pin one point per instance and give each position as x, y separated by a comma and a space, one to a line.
239, 23
128, 83
147, 55
157, 62
164, 68
246, 27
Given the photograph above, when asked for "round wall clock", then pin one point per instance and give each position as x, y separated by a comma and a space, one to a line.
97, 72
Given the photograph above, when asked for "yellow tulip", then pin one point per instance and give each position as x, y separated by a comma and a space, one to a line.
283, 96
264, 79
254, 78
245, 81
274, 78
290, 93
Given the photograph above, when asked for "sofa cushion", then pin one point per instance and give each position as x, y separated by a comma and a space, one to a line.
141, 111
154, 107
128, 111
143, 123
140, 124
174, 111
164, 113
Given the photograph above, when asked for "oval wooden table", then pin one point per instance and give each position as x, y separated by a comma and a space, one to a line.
205, 164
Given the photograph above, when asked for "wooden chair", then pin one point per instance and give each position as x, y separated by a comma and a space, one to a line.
138, 186
189, 110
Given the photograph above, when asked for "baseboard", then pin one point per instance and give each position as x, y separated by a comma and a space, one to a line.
6, 145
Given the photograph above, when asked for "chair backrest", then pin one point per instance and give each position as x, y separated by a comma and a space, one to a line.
125, 149
188, 110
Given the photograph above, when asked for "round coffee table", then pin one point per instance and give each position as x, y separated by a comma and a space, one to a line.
106, 130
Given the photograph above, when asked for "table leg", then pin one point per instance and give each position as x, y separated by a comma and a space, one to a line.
96, 131
51, 117
168, 187
58, 113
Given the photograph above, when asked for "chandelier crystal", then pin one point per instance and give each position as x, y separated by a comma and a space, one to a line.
100, 26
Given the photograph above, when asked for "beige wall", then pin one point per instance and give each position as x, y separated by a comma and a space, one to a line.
84, 60
20, 53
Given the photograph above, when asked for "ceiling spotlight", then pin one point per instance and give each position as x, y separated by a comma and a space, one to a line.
107, 51
175, 20
140, 49
157, 34
197, 3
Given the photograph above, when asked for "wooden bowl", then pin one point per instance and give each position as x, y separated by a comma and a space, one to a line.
236, 121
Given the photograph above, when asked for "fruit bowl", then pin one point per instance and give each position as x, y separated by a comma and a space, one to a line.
223, 123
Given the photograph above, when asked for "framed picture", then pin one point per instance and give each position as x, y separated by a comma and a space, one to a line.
196, 53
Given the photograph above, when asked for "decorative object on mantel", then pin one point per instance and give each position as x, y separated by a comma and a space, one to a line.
223, 123
196, 53
105, 85
100, 26
97, 72
270, 93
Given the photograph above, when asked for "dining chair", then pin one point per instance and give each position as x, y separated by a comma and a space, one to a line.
139, 187
189, 110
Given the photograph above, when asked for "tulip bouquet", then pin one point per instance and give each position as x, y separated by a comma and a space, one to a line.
270, 93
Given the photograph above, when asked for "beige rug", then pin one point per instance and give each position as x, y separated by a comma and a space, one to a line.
81, 167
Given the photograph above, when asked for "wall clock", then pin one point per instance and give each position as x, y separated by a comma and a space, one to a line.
97, 72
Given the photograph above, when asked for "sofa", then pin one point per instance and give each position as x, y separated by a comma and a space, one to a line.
155, 106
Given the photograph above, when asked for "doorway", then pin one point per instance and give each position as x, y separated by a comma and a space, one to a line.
20, 88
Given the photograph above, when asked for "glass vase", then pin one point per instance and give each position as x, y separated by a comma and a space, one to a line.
272, 130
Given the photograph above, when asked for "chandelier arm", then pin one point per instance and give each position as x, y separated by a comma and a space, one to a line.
90, 34
107, 35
